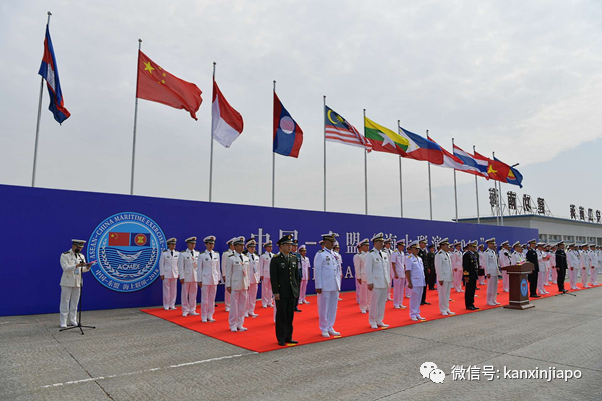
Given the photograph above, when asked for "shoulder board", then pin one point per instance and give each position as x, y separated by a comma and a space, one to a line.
64, 253
372, 250
165, 250
321, 250
233, 255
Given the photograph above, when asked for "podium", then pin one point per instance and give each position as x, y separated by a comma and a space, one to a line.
519, 285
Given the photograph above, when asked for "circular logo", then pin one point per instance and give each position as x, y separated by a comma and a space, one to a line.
287, 125
126, 248
524, 287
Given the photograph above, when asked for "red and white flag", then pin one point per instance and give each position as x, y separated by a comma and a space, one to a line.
226, 123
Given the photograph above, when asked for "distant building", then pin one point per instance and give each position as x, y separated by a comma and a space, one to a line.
551, 229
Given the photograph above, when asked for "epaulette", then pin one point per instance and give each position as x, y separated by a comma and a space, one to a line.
371, 250
64, 253
321, 250
165, 250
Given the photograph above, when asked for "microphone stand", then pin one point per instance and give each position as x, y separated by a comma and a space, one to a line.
79, 314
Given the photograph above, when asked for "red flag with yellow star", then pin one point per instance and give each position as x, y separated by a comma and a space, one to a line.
157, 85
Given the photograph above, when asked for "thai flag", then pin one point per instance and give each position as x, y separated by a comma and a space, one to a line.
420, 148
475, 165
49, 71
288, 136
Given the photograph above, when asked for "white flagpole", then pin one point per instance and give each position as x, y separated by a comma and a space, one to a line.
501, 207
135, 121
211, 152
35, 149
365, 168
476, 185
273, 165
324, 111
400, 177
430, 194
455, 187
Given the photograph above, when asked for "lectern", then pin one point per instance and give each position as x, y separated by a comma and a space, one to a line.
519, 285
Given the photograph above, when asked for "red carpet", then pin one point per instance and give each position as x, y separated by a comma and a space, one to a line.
261, 337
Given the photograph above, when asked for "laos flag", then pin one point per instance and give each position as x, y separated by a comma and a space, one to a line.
288, 136
50, 72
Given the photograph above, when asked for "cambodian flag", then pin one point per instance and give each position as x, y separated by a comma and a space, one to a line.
49, 71
288, 136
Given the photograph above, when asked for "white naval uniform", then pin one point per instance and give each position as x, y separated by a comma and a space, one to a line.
378, 273
328, 279
71, 283
416, 268
542, 272
168, 268
209, 276
457, 271
391, 272
225, 257
398, 258
482, 265
266, 286
254, 279
359, 262
585, 265
305, 266
188, 262
443, 267
593, 271
573, 266
237, 278
356, 274
553, 271
491, 268
517, 258
505, 261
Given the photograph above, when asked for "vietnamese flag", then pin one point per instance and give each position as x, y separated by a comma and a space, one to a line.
119, 239
157, 85
498, 171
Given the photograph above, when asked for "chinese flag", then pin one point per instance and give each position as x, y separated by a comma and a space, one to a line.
119, 239
157, 85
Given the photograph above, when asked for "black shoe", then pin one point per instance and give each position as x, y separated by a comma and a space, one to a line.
477, 288
471, 308
535, 296
298, 310
425, 303
281, 343
292, 342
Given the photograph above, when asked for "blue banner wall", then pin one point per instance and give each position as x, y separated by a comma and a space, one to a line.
38, 225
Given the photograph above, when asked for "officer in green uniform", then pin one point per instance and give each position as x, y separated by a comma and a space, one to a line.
285, 286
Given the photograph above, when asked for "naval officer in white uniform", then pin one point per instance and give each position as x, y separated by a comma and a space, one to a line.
73, 264
267, 299
188, 262
491, 270
209, 276
416, 280
168, 269
443, 268
328, 285
237, 283
378, 277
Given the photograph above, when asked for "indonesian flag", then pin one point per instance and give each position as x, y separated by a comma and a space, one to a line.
226, 123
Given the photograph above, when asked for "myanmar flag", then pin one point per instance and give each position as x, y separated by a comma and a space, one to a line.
383, 139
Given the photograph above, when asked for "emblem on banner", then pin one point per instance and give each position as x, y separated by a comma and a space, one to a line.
126, 247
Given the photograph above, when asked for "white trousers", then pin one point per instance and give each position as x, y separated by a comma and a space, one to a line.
593, 278
540, 280
377, 305
357, 291
251, 298
364, 296
302, 291
583, 277
208, 301
554, 275
458, 279
170, 292
69, 301
492, 289
505, 281
189, 291
573, 278
415, 298
238, 301
482, 280
226, 298
444, 291
327, 309
398, 290
266, 292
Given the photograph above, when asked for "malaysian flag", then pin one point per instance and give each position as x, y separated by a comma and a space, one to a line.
339, 130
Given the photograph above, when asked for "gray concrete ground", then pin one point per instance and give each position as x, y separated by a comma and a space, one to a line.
135, 356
